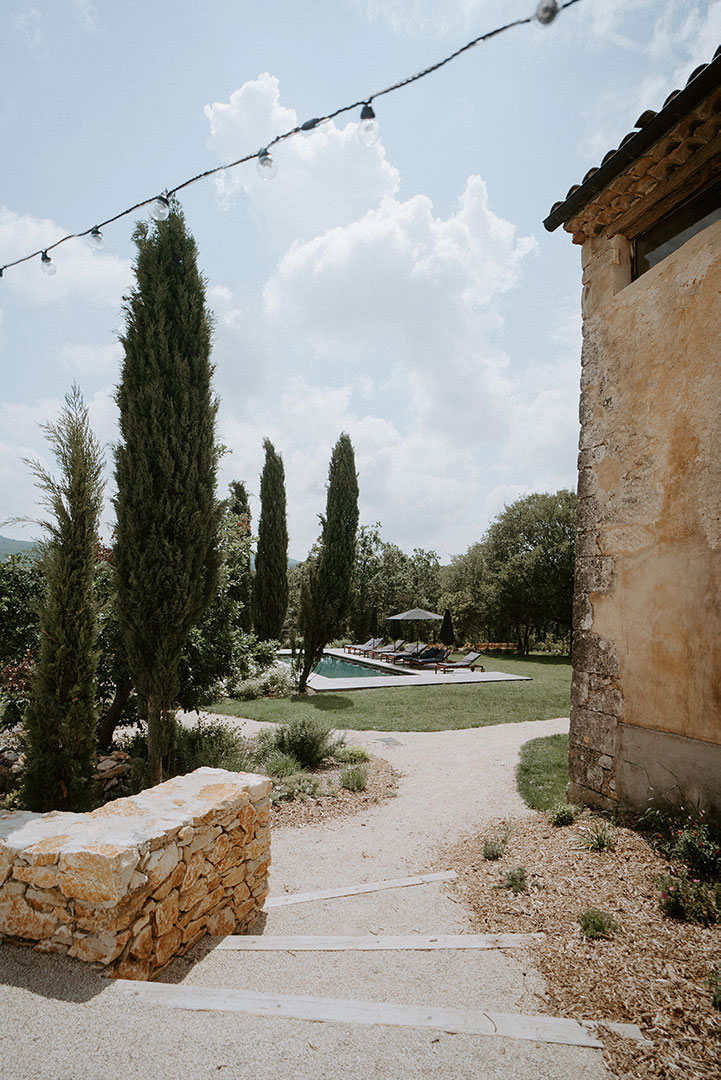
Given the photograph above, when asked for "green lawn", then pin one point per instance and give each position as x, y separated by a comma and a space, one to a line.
542, 772
430, 708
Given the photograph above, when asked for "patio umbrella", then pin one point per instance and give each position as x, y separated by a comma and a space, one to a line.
415, 615
373, 623
446, 635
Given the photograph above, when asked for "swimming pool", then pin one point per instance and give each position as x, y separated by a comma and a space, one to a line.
333, 667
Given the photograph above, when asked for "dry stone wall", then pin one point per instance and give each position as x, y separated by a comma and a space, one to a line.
139, 880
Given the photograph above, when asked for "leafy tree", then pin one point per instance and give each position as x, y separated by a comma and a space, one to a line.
325, 589
165, 555
464, 592
271, 560
529, 556
240, 569
21, 581
60, 720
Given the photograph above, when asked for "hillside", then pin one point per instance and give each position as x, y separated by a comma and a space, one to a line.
13, 547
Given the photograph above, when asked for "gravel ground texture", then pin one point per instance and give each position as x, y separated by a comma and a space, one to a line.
59, 1022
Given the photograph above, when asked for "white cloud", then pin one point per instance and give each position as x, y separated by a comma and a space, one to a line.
97, 360
97, 277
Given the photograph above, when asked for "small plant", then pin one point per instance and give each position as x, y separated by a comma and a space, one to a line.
597, 924
299, 786
689, 899
563, 814
211, 743
684, 833
516, 880
354, 778
351, 755
278, 764
494, 847
310, 740
600, 838
714, 982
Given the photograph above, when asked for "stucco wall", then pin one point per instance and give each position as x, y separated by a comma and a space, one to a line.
648, 575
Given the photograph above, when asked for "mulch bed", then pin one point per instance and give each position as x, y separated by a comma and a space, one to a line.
334, 800
654, 971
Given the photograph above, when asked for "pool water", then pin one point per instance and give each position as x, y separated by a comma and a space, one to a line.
332, 667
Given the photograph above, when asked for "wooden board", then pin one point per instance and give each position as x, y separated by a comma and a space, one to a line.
549, 1029
373, 943
354, 890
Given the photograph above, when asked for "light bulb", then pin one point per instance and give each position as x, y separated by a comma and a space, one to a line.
96, 240
368, 129
265, 164
47, 264
546, 11
160, 208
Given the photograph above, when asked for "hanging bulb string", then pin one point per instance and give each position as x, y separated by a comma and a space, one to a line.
545, 12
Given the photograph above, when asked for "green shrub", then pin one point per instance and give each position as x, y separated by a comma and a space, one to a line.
354, 778
494, 846
278, 764
275, 683
563, 814
684, 833
351, 755
213, 744
689, 900
597, 924
298, 786
600, 838
309, 739
515, 880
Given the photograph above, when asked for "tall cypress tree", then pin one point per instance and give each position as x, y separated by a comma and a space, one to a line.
61, 719
240, 589
168, 516
325, 591
271, 560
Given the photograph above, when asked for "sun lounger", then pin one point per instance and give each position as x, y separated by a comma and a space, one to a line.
371, 643
430, 658
385, 650
409, 654
467, 662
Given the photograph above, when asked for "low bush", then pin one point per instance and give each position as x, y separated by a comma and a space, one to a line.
277, 764
600, 838
563, 814
494, 847
689, 899
684, 833
298, 786
310, 740
354, 778
277, 682
213, 744
351, 755
714, 983
516, 880
597, 924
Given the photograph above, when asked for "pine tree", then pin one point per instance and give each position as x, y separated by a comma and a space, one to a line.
270, 600
61, 719
240, 569
325, 590
168, 516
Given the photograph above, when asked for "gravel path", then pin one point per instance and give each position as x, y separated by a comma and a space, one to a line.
59, 1023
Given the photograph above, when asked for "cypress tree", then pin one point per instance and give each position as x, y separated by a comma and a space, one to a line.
168, 516
325, 590
60, 721
271, 560
240, 589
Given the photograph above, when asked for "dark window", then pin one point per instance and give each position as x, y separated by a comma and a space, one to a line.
673, 231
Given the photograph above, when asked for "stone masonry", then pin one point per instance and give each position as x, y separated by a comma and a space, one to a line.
142, 879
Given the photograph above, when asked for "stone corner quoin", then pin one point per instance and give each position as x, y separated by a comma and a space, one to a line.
141, 879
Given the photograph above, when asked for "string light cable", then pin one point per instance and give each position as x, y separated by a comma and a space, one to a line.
368, 132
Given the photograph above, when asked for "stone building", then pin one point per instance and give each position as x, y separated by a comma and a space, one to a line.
646, 697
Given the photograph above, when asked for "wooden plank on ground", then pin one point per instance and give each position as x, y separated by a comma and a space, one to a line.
550, 1029
373, 943
354, 890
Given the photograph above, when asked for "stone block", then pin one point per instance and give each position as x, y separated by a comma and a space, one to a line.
240, 894
100, 874
222, 846
158, 865
131, 968
44, 898
18, 919
173, 882
167, 946
202, 841
195, 867
593, 653
206, 903
193, 931
221, 921
233, 877
42, 877
141, 946
165, 915
102, 949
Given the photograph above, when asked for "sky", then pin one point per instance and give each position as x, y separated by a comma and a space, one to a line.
406, 293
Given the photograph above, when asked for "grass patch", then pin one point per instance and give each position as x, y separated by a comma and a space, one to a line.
431, 708
597, 924
542, 772
516, 880
354, 778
